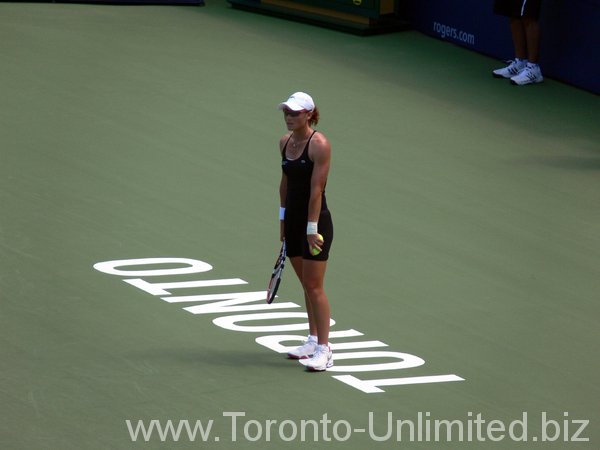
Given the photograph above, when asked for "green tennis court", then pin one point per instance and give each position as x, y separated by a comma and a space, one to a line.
465, 273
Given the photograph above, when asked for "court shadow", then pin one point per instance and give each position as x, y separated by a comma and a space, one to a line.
566, 162
202, 356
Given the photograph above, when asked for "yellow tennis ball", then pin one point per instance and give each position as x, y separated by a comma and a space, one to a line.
315, 251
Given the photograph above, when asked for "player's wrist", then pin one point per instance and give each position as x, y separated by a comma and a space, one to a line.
281, 213
312, 228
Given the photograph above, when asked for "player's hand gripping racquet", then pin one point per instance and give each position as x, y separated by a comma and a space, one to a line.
276, 275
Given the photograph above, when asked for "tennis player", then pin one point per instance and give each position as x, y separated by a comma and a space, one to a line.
303, 214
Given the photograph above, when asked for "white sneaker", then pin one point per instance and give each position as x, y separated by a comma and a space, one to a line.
514, 68
306, 350
531, 74
321, 360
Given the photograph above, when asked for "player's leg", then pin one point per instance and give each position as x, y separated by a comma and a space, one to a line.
532, 37
313, 274
531, 73
297, 264
512, 10
519, 37
531, 29
309, 346
520, 48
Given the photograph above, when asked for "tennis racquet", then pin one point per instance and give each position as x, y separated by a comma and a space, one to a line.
276, 275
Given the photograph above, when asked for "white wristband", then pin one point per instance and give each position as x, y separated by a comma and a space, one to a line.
281, 213
311, 228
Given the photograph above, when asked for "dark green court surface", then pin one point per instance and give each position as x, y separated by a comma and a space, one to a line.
467, 244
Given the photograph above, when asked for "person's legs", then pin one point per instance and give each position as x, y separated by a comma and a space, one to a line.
519, 37
532, 73
308, 347
532, 38
313, 275
298, 265
527, 43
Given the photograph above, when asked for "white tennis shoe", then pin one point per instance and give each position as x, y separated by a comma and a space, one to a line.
321, 360
514, 68
530, 75
306, 350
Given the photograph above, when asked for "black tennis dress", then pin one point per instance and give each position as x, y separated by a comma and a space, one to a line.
299, 173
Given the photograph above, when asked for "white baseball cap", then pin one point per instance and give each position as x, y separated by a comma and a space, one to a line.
298, 101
